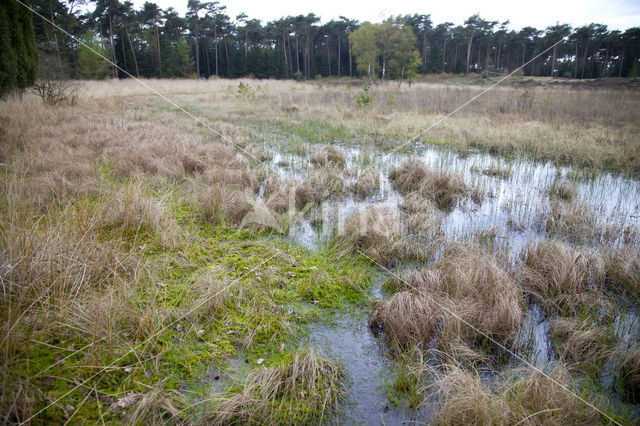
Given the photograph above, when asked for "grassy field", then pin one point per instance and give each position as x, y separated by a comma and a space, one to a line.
153, 269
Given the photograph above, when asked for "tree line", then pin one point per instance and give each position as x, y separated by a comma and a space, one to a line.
206, 41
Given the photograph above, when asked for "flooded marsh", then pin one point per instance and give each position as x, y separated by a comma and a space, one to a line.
291, 258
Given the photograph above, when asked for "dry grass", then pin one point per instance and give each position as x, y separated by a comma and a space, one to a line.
303, 388
527, 398
556, 123
367, 183
328, 156
217, 204
563, 190
581, 343
442, 187
575, 220
325, 182
630, 375
374, 230
286, 194
422, 216
465, 287
623, 270
559, 277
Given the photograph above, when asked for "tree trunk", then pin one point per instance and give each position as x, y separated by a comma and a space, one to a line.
284, 54
339, 58
329, 56
159, 56
246, 40
444, 55
297, 54
226, 52
621, 63
206, 56
135, 60
124, 56
290, 55
584, 58
350, 61
455, 58
197, 53
424, 48
215, 40
466, 71
113, 51
553, 61
575, 75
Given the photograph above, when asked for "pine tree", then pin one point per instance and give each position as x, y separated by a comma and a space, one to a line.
89, 65
8, 60
19, 60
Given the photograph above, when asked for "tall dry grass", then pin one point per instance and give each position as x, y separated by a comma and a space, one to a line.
464, 298
303, 388
526, 397
87, 193
376, 231
560, 277
443, 188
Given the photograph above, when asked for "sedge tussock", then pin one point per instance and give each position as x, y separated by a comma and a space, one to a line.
559, 276
465, 287
422, 215
443, 188
367, 183
376, 231
131, 213
303, 388
575, 220
325, 182
630, 375
525, 397
329, 156
562, 189
623, 270
286, 194
582, 344
220, 204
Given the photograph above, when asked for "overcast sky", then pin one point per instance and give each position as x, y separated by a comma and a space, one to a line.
616, 14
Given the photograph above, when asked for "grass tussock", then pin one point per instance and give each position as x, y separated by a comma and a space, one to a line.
303, 388
575, 220
422, 216
623, 270
132, 214
286, 194
325, 182
465, 287
219, 204
375, 231
563, 190
581, 343
630, 375
560, 277
329, 156
443, 188
526, 398
367, 183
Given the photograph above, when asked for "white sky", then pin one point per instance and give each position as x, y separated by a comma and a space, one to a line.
616, 14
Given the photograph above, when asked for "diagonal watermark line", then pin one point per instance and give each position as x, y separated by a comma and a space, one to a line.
154, 335
519, 357
146, 86
442, 119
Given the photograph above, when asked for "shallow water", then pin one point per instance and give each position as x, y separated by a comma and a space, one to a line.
512, 212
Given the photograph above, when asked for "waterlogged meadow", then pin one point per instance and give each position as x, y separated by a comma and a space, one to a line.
293, 256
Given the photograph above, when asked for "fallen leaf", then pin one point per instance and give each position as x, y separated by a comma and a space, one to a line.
260, 361
127, 400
